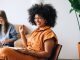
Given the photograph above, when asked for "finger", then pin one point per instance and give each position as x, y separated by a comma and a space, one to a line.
23, 27
20, 27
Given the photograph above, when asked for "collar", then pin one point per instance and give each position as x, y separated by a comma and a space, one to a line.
43, 28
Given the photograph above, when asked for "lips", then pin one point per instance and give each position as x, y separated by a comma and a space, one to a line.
38, 23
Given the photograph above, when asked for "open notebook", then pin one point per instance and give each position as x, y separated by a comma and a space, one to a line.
17, 48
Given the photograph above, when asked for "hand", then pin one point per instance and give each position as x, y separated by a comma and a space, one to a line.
3, 42
21, 29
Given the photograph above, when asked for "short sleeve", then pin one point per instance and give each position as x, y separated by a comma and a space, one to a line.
48, 35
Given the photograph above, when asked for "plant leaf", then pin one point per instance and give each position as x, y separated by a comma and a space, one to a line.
75, 4
71, 10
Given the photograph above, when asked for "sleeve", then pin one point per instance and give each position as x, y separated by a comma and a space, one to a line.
48, 35
13, 33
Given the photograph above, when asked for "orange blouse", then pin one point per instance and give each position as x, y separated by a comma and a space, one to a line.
36, 39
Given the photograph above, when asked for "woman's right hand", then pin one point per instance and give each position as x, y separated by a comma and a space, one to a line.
21, 29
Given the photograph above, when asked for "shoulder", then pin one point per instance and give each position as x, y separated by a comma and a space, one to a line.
49, 34
48, 31
11, 25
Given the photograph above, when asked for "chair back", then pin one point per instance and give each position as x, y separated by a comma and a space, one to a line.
55, 52
78, 48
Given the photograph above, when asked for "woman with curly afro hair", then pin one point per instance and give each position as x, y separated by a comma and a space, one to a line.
37, 45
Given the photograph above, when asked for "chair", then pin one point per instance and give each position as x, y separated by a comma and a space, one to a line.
78, 48
55, 52
3, 58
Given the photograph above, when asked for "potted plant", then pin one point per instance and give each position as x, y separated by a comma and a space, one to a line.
75, 4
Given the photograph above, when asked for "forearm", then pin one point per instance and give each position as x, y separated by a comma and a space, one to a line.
10, 40
6, 41
42, 54
23, 39
48, 44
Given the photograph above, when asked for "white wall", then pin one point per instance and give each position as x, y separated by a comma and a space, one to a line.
66, 28
16, 10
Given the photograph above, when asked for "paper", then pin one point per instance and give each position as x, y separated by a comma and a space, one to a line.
17, 48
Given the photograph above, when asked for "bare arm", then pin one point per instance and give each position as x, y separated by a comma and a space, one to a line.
48, 45
23, 38
7, 41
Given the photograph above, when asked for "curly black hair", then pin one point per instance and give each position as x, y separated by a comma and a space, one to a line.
46, 11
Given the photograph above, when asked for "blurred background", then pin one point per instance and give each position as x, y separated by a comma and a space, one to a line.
66, 28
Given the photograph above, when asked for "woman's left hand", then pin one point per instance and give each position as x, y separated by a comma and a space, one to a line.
6, 41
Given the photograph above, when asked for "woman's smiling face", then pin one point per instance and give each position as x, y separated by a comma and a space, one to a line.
40, 22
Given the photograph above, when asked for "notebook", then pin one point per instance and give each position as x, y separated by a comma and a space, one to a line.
17, 48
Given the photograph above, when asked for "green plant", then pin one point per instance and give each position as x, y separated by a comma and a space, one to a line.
75, 4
